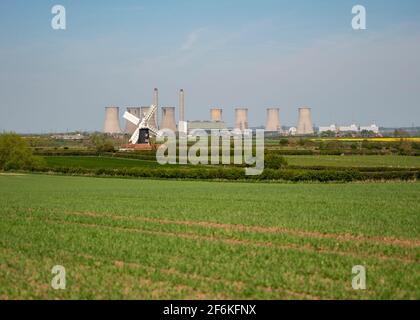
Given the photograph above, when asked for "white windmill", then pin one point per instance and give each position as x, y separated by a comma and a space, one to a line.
141, 134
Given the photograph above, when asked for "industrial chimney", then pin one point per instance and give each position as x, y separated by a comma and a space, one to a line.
273, 120
305, 125
241, 118
216, 114
182, 124
130, 127
181, 105
112, 120
168, 119
156, 103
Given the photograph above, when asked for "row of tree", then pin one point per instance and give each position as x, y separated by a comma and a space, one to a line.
15, 153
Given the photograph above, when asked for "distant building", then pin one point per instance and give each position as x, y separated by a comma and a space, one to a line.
332, 128
351, 128
76, 136
206, 125
373, 127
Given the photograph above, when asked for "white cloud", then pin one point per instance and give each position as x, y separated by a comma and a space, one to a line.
192, 38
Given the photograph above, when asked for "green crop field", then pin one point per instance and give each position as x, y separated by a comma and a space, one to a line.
301, 160
97, 162
355, 161
148, 239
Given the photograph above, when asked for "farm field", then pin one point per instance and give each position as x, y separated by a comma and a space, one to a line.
355, 161
97, 162
300, 160
200, 240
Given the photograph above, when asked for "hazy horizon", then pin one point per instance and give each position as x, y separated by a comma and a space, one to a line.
224, 54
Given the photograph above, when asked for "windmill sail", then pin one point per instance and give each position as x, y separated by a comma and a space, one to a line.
141, 123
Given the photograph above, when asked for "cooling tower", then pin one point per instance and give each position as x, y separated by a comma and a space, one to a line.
156, 103
181, 105
241, 118
144, 111
129, 127
216, 114
273, 120
305, 125
168, 119
112, 120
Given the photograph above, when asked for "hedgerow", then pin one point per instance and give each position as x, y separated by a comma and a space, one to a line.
232, 173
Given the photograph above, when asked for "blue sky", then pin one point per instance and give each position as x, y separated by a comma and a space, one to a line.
227, 54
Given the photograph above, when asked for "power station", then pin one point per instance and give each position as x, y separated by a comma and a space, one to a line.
168, 118
165, 118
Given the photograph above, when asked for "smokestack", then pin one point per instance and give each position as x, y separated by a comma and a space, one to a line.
130, 127
182, 124
241, 118
144, 111
181, 105
305, 125
156, 103
216, 114
273, 120
168, 119
112, 120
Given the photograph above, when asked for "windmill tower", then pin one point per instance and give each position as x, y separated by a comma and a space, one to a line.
144, 126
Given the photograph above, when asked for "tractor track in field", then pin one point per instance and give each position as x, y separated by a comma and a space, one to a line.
230, 241
404, 243
238, 285
42, 288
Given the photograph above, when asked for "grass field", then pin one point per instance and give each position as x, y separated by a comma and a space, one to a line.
178, 239
301, 160
97, 162
355, 161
